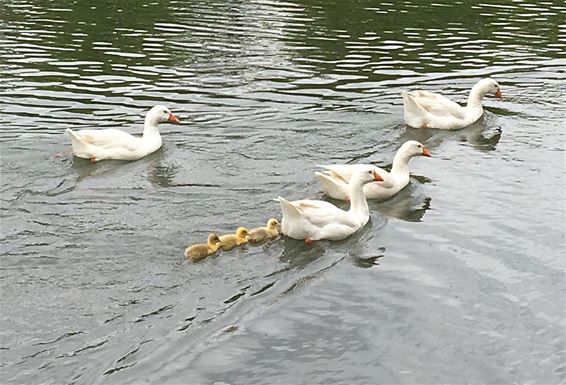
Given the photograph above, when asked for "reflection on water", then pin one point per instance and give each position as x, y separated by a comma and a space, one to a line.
481, 135
407, 205
94, 284
298, 254
85, 168
158, 170
369, 261
162, 176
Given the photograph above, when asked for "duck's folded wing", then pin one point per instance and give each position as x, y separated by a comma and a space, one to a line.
332, 184
108, 138
344, 172
437, 104
321, 213
289, 210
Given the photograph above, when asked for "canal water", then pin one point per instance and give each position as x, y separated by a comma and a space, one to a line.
458, 279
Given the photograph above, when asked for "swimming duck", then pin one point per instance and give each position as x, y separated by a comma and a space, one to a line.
427, 109
229, 241
335, 178
260, 234
313, 220
116, 144
196, 252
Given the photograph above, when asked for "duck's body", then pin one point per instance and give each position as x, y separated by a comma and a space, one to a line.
335, 178
196, 252
229, 241
425, 109
314, 220
260, 234
116, 144
111, 144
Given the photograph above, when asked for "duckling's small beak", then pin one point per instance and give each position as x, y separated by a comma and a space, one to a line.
173, 118
498, 93
426, 152
376, 177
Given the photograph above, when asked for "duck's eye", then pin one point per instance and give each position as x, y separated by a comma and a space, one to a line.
369, 172
420, 146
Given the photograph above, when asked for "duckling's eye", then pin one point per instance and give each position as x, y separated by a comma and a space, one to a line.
369, 172
420, 146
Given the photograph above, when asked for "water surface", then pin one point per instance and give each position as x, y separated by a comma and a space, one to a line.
458, 279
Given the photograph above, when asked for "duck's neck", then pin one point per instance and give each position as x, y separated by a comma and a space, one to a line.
150, 128
358, 202
401, 163
476, 95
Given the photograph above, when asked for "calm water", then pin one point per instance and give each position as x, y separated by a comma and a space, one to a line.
459, 279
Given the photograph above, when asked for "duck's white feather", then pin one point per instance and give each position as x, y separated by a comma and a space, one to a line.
335, 178
342, 173
116, 144
108, 138
436, 104
314, 219
321, 213
110, 144
432, 110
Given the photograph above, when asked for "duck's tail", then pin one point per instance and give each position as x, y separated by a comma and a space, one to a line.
410, 103
336, 189
79, 147
413, 112
288, 209
72, 134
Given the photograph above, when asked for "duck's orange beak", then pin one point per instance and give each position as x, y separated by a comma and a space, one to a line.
376, 177
426, 152
173, 118
498, 93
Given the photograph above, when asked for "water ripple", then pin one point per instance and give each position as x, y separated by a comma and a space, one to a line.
266, 90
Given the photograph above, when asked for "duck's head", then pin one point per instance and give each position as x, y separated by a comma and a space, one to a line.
366, 175
413, 148
272, 223
160, 114
490, 86
213, 239
241, 233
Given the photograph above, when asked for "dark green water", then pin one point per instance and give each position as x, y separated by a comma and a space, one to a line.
460, 279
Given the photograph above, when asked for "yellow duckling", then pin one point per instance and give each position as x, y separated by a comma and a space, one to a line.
229, 241
198, 251
262, 233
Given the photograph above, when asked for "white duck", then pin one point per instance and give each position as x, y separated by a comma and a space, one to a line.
313, 220
335, 178
427, 109
116, 144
